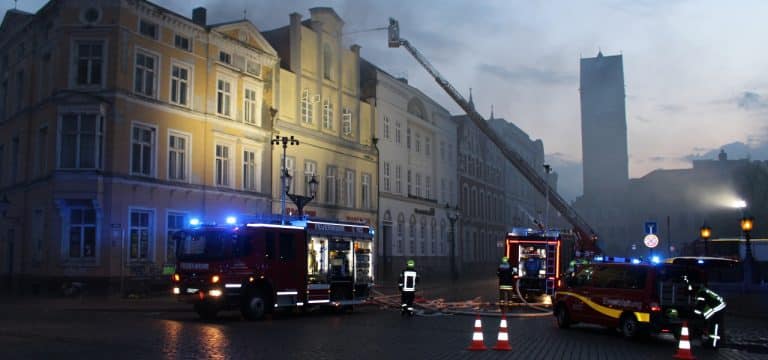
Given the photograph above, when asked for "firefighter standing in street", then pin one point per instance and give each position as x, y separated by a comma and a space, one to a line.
506, 282
407, 286
709, 305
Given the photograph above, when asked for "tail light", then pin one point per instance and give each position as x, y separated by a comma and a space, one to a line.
655, 307
176, 277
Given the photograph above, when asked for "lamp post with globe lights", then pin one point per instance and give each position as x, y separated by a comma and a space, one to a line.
747, 224
300, 200
453, 215
706, 233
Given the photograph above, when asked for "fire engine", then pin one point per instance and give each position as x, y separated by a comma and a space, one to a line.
540, 257
261, 266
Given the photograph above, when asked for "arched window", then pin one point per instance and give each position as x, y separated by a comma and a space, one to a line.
423, 235
400, 232
327, 61
412, 235
443, 237
433, 237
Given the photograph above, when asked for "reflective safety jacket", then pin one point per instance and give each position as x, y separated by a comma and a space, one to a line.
408, 280
708, 303
506, 276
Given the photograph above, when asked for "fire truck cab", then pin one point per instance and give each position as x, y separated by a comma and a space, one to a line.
260, 266
540, 257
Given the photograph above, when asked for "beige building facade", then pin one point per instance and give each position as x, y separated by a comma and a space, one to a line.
122, 120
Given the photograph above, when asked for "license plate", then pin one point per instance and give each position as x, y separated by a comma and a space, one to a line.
191, 290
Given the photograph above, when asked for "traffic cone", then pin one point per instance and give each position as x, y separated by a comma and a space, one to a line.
502, 341
477, 343
684, 348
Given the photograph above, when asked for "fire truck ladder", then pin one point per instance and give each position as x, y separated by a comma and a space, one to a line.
585, 234
551, 271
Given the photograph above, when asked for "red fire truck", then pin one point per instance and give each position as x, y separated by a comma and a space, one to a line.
540, 258
257, 267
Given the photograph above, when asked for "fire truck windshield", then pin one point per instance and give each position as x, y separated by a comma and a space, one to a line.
204, 244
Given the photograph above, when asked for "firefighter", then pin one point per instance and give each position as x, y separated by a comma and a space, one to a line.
506, 282
407, 286
709, 306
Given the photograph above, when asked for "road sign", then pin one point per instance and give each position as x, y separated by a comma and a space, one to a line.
651, 240
651, 228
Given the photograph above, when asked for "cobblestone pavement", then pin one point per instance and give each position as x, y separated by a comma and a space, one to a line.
34, 331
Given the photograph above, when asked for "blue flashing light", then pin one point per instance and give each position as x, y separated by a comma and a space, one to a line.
194, 221
655, 259
700, 261
231, 220
372, 232
598, 258
635, 261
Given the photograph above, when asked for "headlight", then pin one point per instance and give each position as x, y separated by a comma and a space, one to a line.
215, 293
176, 291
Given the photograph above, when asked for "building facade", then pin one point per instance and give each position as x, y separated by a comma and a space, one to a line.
320, 105
417, 175
121, 120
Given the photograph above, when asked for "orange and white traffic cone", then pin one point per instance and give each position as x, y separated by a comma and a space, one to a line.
684, 348
477, 343
502, 341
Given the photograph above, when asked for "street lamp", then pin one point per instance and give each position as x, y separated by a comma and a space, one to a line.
285, 141
705, 233
300, 200
453, 215
747, 224
547, 170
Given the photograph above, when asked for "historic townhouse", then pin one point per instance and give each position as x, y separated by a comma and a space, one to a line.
121, 120
320, 105
417, 174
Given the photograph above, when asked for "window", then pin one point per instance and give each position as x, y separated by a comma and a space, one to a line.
80, 141
400, 232
82, 232
423, 236
365, 184
398, 178
386, 127
222, 165
306, 107
442, 150
253, 68
250, 171
346, 122
428, 146
90, 59
140, 235
350, 188
251, 107
182, 42
418, 142
408, 181
223, 98
287, 247
146, 74
175, 223
310, 170
177, 157
19, 89
418, 185
397, 132
443, 191
142, 150
330, 184
327, 115
41, 156
408, 138
428, 187
387, 169
180, 85
225, 57
327, 62
433, 236
147, 28
14, 159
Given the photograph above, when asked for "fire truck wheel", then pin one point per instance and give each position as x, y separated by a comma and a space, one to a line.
205, 311
562, 316
255, 306
630, 327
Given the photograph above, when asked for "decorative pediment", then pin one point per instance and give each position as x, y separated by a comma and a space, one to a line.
247, 33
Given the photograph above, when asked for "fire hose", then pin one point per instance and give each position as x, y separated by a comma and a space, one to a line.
522, 298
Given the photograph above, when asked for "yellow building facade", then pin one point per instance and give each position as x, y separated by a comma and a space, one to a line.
320, 106
122, 120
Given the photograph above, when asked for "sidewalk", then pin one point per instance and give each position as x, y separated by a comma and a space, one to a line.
154, 303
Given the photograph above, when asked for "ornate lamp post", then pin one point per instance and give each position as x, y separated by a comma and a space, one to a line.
300, 200
285, 141
547, 170
453, 215
705, 233
747, 224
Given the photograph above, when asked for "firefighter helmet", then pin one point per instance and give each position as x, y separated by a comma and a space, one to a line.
505, 260
411, 264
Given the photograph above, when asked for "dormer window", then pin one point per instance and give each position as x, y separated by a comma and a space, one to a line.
148, 29
182, 42
225, 57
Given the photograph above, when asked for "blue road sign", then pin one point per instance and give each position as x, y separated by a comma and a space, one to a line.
651, 228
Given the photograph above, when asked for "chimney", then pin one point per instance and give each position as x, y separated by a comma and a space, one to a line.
198, 16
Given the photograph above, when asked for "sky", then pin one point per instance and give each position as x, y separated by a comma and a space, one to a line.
695, 71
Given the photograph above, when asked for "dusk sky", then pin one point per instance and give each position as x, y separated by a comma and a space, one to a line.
695, 71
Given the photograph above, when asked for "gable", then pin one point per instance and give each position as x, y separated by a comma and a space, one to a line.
246, 32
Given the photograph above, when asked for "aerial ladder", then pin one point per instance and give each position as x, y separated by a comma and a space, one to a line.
586, 236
